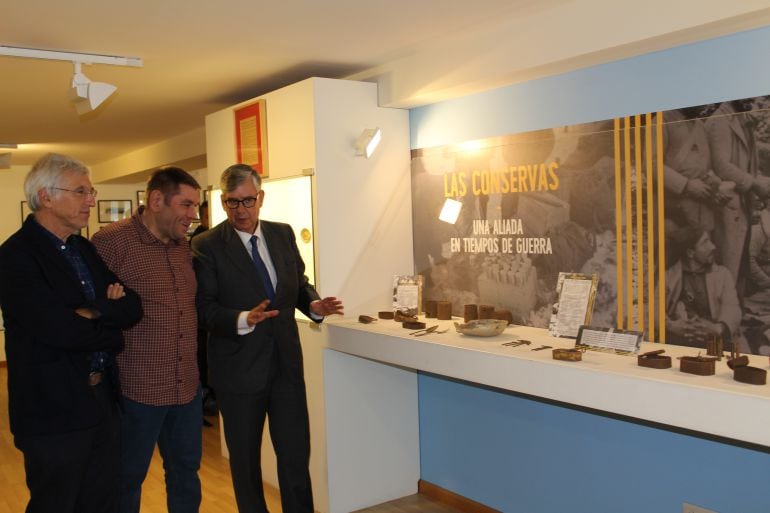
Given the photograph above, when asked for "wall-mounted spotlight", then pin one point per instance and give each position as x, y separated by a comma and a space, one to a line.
367, 142
87, 95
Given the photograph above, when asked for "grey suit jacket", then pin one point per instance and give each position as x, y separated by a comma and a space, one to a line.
228, 284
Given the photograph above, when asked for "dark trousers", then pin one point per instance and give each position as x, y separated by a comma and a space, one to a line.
203, 358
285, 405
177, 431
75, 472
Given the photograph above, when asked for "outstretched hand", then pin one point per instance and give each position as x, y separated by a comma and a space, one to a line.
327, 306
259, 313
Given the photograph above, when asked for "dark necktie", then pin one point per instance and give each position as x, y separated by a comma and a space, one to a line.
261, 269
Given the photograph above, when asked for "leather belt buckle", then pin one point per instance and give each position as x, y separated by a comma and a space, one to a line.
95, 378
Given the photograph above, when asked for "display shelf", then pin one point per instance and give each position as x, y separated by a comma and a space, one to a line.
713, 405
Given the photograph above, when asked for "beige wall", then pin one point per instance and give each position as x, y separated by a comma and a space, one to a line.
11, 196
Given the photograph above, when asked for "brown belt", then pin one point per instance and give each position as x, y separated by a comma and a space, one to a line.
95, 378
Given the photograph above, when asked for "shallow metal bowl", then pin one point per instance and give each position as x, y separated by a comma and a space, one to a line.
482, 327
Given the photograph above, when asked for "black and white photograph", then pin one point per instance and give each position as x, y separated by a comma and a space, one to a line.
670, 210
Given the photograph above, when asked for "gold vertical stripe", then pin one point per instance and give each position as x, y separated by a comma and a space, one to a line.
661, 235
618, 225
639, 236
629, 227
650, 228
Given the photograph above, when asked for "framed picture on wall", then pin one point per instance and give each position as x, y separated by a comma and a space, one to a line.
25, 211
251, 136
113, 210
140, 198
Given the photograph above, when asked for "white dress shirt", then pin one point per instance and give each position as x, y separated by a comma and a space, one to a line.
243, 325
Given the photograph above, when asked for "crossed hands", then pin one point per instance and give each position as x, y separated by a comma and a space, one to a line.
114, 291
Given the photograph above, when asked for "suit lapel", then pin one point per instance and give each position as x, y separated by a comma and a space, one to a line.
48, 251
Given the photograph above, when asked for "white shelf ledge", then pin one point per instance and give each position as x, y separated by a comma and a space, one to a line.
715, 405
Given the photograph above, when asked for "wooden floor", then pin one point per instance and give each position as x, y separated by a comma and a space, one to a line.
216, 486
413, 504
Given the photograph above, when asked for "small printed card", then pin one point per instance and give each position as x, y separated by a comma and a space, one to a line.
609, 339
407, 294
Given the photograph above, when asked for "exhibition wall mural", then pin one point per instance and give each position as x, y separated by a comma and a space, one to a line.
671, 210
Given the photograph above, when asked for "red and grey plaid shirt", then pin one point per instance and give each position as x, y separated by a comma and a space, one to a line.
158, 365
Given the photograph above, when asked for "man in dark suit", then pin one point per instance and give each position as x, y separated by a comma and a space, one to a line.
64, 312
209, 396
245, 265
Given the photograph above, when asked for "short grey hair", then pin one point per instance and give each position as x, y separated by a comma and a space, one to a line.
236, 174
46, 174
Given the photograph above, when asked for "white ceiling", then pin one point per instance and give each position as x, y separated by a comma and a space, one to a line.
202, 56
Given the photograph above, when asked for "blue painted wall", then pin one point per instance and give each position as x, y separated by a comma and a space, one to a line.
731, 67
519, 455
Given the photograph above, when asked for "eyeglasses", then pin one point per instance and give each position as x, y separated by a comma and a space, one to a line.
80, 191
233, 203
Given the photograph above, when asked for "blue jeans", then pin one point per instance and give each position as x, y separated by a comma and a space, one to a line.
177, 431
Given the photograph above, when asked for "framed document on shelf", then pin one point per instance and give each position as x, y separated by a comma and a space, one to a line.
407, 293
574, 304
251, 136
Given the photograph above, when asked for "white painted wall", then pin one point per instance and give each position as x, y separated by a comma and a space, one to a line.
290, 138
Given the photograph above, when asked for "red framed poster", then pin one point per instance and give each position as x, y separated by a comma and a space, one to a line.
251, 136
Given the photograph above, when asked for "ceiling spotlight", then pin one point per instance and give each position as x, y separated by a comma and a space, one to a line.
367, 142
88, 95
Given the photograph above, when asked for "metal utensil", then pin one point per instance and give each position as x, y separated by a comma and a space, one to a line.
432, 329
429, 329
517, 343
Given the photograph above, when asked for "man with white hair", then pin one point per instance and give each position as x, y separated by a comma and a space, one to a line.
64, 312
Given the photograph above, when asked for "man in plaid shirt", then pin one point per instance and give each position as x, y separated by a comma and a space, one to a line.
158, 367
